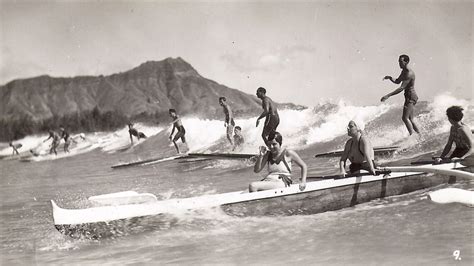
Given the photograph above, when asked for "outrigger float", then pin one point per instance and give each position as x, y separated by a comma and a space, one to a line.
326, 194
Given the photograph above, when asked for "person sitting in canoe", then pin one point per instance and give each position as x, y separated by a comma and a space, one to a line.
278, 162
460, 134
15, 148
238, 138
358, 150
55, 141
133, 132
177, 124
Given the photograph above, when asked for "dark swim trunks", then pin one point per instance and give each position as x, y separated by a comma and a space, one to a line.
133, 132
355, 167
180, 134
459, 152
271, 125
410, 97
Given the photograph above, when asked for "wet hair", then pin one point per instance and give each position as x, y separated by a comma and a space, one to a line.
356, 124
405, 58
222, 99
172, 110
237, 127
455, 113
262, 89
275, 136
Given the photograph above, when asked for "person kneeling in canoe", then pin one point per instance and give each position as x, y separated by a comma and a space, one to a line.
460, 134
278, 162
358, 150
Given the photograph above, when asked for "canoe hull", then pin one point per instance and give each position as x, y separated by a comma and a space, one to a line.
335, 198
319, 196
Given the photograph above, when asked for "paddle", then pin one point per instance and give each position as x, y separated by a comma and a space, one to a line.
468, 161
438, 168
377, 172
377, 151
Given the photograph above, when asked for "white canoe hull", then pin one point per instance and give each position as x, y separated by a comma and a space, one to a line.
319, 196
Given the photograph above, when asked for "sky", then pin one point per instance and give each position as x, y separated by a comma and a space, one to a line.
301, 52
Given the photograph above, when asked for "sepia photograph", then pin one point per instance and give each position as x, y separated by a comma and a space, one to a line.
236, 132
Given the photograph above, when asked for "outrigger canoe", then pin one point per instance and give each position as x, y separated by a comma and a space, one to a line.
325, 194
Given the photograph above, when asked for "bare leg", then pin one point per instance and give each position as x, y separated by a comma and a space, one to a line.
176, 146
408, 118
265, 185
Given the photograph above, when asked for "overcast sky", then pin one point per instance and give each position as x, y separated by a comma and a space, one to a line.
301, 52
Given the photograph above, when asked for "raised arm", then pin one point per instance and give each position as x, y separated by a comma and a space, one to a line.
262, 159
304, 169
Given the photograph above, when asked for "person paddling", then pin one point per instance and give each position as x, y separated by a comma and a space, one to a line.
358, 150
178, 125
460, 134
270, 113
278, 162
407, 78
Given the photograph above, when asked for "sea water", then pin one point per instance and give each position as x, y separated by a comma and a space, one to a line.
406, 229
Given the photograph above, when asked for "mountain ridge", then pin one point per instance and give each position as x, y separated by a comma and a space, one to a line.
148, 90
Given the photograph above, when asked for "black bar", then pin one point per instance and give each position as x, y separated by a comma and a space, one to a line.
377, 172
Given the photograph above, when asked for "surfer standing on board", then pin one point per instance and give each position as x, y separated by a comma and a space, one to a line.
358, 150
270, 113
67, 140
278, 162
179, 127
407, 78
55, 141
15, 148
460, 134
229, 120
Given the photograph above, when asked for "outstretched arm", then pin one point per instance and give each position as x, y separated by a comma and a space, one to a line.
396, 81
304, 168
395, 92
50, 136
